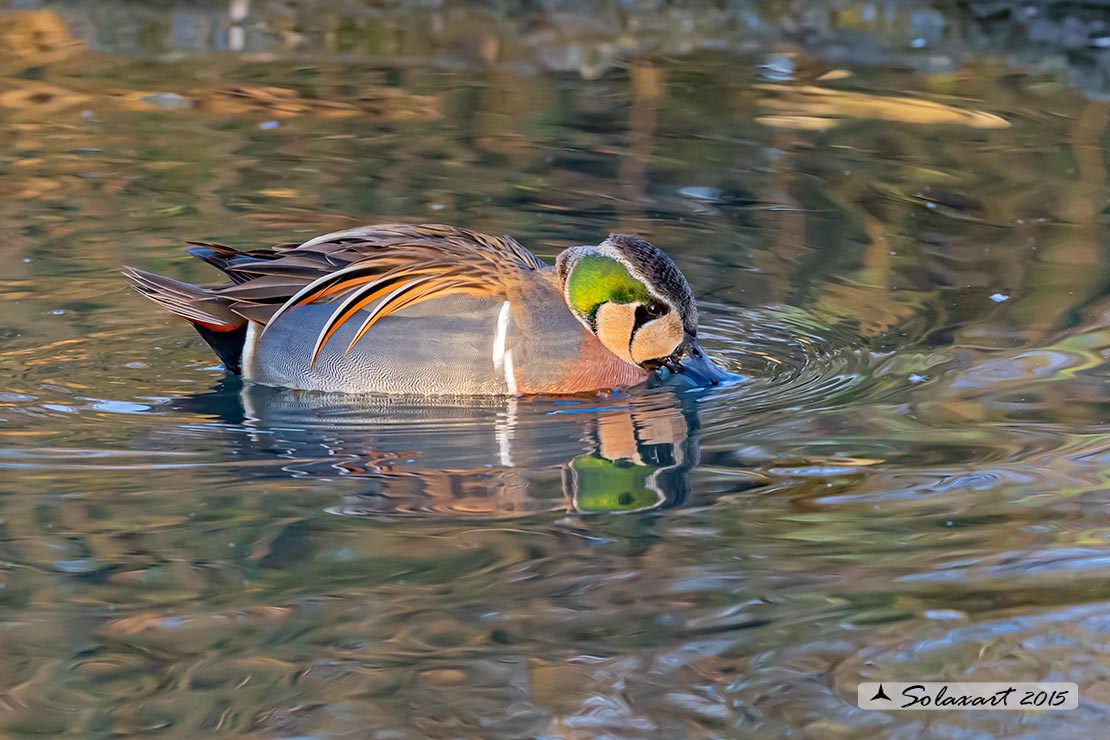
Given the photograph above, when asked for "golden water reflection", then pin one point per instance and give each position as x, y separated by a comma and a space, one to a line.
474, 457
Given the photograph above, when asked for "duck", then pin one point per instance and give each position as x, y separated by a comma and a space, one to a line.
431, 309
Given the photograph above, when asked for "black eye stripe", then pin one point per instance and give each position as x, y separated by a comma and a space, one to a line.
649, 312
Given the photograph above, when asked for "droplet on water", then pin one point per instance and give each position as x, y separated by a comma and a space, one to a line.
700, 193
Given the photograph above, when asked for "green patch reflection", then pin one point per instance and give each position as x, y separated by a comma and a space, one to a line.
601, 485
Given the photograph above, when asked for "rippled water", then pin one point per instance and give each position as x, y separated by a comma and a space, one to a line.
901, 253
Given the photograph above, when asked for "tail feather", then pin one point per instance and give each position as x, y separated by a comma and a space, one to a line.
219, 326
187, 301
226, 259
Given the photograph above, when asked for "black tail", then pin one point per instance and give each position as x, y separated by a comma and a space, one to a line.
226, 343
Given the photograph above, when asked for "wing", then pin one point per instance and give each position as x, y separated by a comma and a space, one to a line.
381, 269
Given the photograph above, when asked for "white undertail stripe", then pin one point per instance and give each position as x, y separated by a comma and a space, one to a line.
246, 362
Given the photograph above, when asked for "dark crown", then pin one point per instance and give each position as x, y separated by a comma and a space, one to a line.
662, 276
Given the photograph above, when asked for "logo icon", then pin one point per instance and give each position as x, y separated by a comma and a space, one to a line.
880, 694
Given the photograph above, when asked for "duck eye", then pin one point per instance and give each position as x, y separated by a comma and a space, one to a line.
646, 312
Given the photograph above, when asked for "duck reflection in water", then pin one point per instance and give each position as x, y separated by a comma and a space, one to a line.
470, 456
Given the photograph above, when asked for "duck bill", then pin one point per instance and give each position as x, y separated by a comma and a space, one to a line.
697, 366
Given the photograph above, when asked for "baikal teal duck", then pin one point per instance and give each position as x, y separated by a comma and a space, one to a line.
439, 310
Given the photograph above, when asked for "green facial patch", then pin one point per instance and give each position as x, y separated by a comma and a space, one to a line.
596, 279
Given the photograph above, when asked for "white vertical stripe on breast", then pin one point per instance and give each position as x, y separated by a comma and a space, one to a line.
510, 376
502, 358
502, 336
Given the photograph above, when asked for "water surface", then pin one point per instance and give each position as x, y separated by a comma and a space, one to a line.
901, 251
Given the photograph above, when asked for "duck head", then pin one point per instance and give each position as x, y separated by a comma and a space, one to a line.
637, 302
